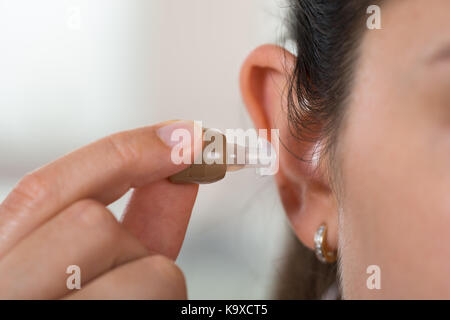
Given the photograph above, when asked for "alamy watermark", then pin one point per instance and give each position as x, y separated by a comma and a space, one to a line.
374, 280
74, 20
374, 20
74, 280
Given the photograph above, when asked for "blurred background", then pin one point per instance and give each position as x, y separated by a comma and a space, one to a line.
73, 71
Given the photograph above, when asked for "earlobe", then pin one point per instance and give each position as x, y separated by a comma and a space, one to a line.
307, 200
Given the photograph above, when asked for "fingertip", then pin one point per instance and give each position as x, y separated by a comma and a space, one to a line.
171, 131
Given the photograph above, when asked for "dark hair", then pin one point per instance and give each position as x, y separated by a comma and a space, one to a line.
326, 35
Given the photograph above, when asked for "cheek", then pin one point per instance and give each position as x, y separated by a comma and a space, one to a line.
396, 209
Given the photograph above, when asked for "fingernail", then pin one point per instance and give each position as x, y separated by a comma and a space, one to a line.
174, 131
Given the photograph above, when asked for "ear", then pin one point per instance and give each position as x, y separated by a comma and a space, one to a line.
305, 193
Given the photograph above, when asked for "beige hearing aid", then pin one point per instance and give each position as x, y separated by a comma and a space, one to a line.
230, 157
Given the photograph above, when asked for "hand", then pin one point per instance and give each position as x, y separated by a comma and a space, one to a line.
57, 216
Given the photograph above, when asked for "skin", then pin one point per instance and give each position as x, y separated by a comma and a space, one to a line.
392, 157
57, 216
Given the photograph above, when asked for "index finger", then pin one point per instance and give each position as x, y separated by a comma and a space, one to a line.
103, 170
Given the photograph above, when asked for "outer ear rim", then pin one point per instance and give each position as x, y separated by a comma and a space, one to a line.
267, 56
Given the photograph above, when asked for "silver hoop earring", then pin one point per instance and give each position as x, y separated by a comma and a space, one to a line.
321, 248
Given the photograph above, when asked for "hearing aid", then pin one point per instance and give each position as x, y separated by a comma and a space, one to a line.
231, 156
